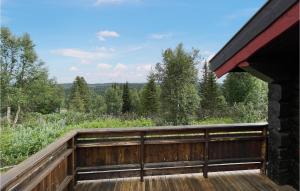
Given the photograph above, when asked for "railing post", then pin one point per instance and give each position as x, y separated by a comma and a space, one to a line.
264, 151
205, 167
71, 164
142, 156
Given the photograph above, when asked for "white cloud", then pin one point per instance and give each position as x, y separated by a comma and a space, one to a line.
103, 35
159, 36
85, 57
119, 69
143, 69
113, 2
73, 69
104, 66
120, 73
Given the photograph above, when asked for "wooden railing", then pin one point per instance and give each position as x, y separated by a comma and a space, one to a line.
90, 154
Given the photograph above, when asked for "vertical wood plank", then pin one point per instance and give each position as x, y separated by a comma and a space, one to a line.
71, 164
205, 168
264, 151
142, 155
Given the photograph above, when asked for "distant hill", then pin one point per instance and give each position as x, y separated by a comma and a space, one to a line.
100, 88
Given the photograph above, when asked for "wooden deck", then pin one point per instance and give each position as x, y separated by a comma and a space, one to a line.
218, 181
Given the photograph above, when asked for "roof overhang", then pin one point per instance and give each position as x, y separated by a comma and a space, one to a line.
273, 19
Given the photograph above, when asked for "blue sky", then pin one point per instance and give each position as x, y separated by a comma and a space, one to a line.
120, 40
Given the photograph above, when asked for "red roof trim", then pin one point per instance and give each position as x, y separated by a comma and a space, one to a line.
287, 20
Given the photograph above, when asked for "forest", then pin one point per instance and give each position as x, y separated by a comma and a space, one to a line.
180, 90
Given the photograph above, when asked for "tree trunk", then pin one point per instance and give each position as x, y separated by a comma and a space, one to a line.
8, 115
17, 116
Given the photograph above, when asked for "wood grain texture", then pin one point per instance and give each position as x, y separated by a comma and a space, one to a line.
103, 154
224, 181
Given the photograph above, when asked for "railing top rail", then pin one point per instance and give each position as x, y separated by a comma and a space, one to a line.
28, 164
173, 128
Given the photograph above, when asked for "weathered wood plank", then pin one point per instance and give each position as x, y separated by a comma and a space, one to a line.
221, 181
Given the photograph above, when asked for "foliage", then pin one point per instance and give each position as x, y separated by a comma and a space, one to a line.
247, 97
97, 104
255, 106
126, 99
237, 86
113, 99
212, 101
135, 101
44, 95
178, 74
80, 96
150, 97
22, 76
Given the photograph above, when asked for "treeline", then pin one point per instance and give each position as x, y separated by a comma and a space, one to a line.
175, 95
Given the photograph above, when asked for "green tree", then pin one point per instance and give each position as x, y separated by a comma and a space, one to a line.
237, 86
179, 85
212, 101
150, 97
126, 98
85, 93
20, 68
79, 91
9, 49
135, 101
76, 103
44, 95
97, 104
247, 97
113, 100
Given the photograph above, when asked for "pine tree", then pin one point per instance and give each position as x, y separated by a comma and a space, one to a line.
85, 93
179, 85
126, 106
79, 91
150, 97
113, 100
212, 101
76, 103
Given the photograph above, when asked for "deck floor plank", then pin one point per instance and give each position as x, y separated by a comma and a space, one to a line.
221, 181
